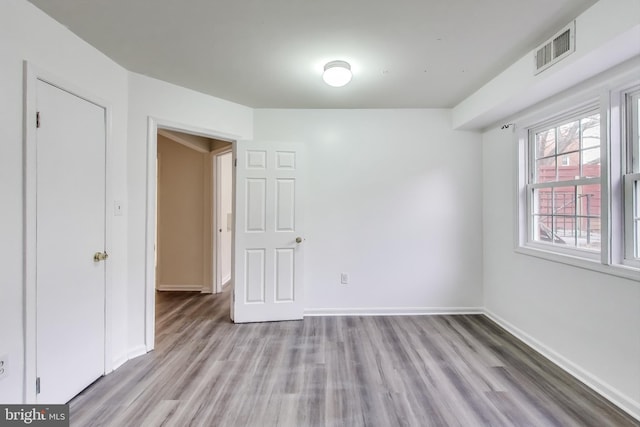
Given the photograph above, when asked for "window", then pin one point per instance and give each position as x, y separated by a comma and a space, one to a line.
579, 179
632, 180
564, 185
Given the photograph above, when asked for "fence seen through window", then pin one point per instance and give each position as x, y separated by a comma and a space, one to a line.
565, 183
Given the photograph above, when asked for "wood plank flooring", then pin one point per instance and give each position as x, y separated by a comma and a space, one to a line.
336, 371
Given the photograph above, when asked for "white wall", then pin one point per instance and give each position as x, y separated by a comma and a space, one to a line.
27, 33
393, 198
186, 109
586, 321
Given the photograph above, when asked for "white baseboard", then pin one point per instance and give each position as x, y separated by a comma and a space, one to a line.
392, 311
137, 351
185, 288
119, 361
605, 390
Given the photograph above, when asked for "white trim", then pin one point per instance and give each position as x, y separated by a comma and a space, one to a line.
119, 361
630, 125
137, 351
32, 74
183, 141
208, 227
631, 181
571, 252
218, 280
392, 311
624, 402
157, 242
150, 235
606, 142
153, 124
178, 287
617, 270
216, 286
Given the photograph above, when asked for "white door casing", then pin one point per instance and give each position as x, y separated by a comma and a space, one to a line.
70, 228
224, 216
269, 238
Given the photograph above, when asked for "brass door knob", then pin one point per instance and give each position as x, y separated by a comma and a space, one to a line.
100, 256
299, 240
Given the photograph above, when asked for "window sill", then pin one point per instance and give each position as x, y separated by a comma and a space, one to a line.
618, 270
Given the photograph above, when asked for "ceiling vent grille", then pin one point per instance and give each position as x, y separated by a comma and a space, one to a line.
561, 45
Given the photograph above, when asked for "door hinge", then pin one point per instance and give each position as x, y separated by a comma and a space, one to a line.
38, 119
235, 162
38, 385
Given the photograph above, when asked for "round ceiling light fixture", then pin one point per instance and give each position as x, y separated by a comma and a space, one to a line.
337, 73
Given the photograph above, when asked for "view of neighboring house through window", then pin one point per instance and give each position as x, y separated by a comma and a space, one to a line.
565, 182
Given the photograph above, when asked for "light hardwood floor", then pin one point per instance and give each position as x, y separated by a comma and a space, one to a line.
336, 371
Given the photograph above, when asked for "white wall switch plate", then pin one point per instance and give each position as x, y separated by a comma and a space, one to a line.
344, 278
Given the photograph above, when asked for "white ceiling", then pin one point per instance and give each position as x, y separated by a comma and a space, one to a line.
270, 53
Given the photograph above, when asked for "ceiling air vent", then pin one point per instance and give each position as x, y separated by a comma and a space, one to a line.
553, 50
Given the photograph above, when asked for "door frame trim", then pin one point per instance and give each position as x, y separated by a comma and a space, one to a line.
31, 75
153, 125
216, 174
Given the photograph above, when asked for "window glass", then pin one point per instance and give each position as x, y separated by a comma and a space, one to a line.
567, 153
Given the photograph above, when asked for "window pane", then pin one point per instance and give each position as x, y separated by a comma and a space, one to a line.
591, 131
543, 229
564, 230
569, 166
546, 170
568, 216
569, 137
569, 151
546, 143
588, 200
543, 201
564, 211
564, 201
588, 225
591, 163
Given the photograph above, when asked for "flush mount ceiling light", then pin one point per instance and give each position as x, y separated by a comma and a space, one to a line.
337, 73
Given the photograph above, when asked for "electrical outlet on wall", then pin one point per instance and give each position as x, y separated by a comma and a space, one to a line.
4, 366
344, 278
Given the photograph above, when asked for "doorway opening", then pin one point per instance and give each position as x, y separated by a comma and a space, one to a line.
193, 212
189, 211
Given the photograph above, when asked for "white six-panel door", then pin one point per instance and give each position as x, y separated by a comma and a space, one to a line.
70, 285
269, 238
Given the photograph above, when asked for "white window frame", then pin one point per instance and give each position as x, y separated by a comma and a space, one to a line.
530, 186
610, 96
631, 132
